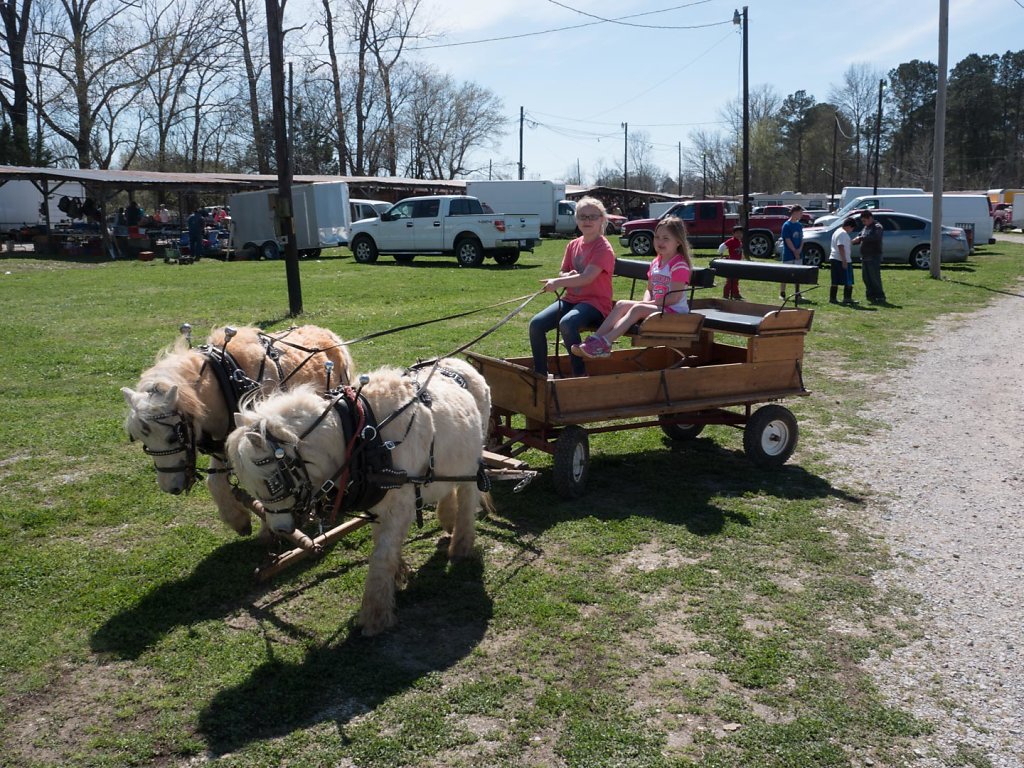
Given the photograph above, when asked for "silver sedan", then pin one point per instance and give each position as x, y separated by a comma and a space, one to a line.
907, 240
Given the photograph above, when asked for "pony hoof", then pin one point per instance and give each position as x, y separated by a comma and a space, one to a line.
444, 542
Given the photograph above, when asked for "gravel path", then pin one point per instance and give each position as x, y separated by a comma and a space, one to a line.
949, 479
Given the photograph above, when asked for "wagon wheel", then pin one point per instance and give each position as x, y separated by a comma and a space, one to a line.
679, 431
572, 455
770, 436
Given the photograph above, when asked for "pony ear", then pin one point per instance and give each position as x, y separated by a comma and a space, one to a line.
129, 396
172, 395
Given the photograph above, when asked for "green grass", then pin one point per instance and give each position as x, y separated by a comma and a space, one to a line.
689, 611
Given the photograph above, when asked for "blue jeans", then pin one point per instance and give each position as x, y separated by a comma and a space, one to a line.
569, 318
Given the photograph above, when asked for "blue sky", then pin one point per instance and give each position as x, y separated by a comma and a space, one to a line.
579, 85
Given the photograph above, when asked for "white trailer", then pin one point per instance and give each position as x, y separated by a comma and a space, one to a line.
542, 198
320, 210
21, 204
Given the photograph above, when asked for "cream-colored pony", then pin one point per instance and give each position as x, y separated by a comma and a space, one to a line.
442, 425
179, 404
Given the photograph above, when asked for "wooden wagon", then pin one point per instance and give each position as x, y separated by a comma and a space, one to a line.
683, 372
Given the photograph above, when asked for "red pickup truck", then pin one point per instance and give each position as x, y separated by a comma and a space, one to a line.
708, 225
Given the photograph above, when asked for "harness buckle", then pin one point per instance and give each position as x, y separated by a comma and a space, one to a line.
369, 433
328, 487
390, 445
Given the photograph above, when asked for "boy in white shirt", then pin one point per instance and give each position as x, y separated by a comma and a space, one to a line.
840, 260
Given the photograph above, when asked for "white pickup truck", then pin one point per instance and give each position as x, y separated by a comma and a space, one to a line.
450, 224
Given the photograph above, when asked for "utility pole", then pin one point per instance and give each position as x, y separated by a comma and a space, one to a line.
737, 19
835, 140
878, 134
704, 176
938, 152
521, 118
679, 172
625, 170
285, 216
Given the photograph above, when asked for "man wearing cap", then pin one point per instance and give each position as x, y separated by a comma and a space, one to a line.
870, 240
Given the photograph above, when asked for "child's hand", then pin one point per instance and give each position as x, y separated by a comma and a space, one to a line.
549, 284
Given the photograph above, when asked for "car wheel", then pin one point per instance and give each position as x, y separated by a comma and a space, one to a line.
469, 253
570, 462
759, 245
364, 250
812, 255
921, 257
269, 250
770, 436
679, 432
404, 258
641, 244
507, 259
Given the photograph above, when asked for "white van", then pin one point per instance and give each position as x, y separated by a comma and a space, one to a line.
849, 193
968, 212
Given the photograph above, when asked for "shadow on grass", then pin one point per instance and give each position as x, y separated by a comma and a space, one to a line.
443, 615
683, 485
218, 585
985, 288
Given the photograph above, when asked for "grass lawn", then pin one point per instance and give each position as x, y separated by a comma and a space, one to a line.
691, 610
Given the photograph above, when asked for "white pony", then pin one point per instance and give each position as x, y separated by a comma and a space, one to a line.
186, 401
432, 424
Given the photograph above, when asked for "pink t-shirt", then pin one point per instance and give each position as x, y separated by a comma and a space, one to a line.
578, 256
660, 278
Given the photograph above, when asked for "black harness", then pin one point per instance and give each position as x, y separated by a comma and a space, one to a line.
368, 472
234, 385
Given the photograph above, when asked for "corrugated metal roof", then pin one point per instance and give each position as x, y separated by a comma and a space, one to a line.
122, 179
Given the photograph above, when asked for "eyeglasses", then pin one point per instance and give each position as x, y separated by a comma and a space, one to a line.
588, 216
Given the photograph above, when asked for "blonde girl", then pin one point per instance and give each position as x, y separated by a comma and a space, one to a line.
586, 278
667, 278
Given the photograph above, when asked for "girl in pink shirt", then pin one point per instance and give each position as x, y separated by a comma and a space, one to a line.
666, 289
586, 278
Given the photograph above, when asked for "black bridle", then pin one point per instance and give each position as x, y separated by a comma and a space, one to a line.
183, 438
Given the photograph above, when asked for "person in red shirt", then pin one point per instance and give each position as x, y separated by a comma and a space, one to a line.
586, 278
733, 249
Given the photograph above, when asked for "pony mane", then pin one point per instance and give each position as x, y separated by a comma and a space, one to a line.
177, 366
284, 416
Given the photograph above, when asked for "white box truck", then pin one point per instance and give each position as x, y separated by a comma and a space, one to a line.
543, 198
20, 205
320, 210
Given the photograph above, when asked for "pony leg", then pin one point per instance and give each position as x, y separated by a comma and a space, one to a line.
464, 525
236, 513
395, 515
447, 509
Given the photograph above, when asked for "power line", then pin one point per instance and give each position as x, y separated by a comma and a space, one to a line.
643, 26
617, 20
658, 84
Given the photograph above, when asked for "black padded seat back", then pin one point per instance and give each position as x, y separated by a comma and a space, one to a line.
631, 268
771, 272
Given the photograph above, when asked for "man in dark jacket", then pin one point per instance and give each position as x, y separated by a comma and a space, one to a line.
196, 232
870, 240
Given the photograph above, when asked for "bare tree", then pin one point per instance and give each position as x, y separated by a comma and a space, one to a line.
14, 90
856, 98
86, 50
447, 122
252, 38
